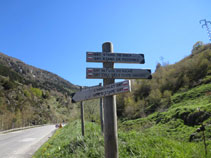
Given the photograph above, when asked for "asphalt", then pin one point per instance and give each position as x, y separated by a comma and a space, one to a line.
23, 143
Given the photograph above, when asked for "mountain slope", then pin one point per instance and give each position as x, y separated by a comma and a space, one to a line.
29, 95
38, 77
149, 96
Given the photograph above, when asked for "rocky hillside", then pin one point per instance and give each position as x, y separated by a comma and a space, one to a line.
30, 96
37, 77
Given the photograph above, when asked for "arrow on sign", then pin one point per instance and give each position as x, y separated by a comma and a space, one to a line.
118, 73
114, 57
99, 92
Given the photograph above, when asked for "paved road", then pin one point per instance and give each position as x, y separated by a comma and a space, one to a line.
22, 144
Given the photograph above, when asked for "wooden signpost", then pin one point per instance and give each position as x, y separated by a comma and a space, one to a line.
110, 114
82, 116
101, 113
114, 57
118, 73
99, 91
110, 88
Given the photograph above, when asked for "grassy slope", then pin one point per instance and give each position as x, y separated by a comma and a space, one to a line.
177, 121
162, 134
68, 142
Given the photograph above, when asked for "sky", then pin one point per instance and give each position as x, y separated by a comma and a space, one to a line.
55, 35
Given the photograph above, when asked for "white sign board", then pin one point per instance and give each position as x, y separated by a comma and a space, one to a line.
100, 73
99, 92
114, 57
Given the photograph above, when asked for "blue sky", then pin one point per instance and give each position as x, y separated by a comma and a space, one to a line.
55, 34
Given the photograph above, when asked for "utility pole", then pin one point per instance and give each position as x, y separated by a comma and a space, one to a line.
207, 27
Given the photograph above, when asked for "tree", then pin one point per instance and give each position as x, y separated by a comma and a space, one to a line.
196, 47
18, 117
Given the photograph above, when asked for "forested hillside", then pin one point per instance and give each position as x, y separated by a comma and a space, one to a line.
149, 96
31, 96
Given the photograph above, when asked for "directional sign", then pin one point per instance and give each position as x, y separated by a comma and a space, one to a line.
98, 92
118, 73
114, 57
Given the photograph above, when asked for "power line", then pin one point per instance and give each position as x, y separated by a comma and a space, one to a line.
207, 27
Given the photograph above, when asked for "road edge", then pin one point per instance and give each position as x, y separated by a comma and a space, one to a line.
36, 146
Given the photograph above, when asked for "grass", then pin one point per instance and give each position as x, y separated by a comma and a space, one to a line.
150, 145
192, 94
160, 135
68, 143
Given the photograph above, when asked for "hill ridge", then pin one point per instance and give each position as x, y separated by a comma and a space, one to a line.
35, 74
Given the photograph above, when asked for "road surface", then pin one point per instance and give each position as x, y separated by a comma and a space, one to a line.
23, 144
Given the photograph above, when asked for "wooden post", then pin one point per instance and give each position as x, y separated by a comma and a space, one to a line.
82, 116
101, 112
110, 116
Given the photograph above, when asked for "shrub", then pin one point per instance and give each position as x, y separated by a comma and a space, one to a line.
8, 85
36, 91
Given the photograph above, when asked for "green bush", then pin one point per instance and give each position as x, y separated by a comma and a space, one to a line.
27, 93
36, 91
